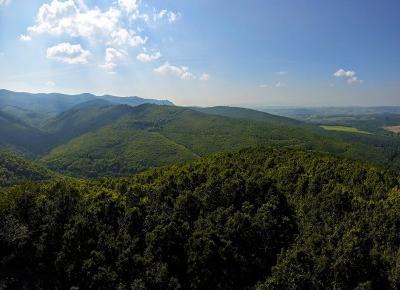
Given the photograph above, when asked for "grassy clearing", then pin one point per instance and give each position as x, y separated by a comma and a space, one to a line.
343, 129
393, 129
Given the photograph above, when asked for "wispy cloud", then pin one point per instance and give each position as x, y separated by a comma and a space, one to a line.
179, 71
112, 57
25, 38
5, 2
50, 84
146, 57
68, 53
170, 16
204, 77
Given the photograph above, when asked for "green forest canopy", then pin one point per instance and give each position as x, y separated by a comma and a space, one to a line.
258, 218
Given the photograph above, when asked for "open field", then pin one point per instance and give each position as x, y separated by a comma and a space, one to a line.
343, 129
394, 129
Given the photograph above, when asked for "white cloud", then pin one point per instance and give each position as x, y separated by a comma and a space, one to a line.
121, 37
65, 18
342, 73
280, 85
129, 6
144, 57
354, 80
113, 27
181, 72
112, 57
281, 73
25, 38
188, 76
204, 77
350, 75
68, 53
5, 2
263, 86
170, 16
50, 84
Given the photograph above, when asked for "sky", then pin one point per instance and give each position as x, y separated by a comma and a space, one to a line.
206, 52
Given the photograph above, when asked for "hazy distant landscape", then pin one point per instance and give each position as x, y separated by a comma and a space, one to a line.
150, 144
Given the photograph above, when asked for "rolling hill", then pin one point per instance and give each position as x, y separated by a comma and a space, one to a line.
100, 137
15, 169
19, 135
121, 140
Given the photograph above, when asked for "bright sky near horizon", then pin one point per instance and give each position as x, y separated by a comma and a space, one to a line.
206, 52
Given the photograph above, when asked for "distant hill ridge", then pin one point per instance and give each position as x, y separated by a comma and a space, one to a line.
56, 103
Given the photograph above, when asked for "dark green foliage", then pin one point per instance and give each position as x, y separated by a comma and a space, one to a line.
265, 218
19, 135
122, 140
16, 169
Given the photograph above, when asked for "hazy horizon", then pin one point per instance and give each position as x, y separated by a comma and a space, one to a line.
206, 53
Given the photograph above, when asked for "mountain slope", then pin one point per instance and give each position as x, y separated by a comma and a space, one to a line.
19, 135
243, 113
15, 169
83, 118
148, 135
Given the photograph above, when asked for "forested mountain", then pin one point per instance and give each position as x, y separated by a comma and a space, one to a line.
28, 105
125, 140
262, 218
121, 140
99, 137
249, 114
19, 135
15, 169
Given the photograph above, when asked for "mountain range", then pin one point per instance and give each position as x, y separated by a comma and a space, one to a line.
89, 136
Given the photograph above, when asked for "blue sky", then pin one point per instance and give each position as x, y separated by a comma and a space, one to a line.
206, 52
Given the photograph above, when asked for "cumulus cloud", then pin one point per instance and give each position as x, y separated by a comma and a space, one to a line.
342, 73
25, 38
349, 75
115, 28
204, 77
181, 72
170, 16
144, 57
68, 53
112, 57
129, 6
263, 86
123, 37
67, 18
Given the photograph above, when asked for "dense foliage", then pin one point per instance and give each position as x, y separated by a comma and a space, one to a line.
16, 169
264, 218
122, 140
